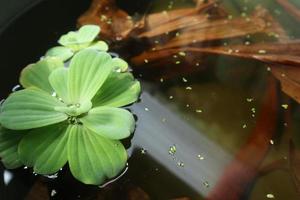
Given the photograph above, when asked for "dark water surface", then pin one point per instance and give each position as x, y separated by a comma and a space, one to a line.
189, 129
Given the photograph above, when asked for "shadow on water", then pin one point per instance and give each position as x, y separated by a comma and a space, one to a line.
31, 35
14, 184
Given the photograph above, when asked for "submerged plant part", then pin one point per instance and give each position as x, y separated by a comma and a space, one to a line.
176, 43
205, 29
70, 115
73, 42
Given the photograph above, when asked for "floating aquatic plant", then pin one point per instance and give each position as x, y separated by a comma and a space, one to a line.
70, 115
75, 41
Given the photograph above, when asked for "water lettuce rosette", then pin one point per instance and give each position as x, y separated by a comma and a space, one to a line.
74, 41
70, 115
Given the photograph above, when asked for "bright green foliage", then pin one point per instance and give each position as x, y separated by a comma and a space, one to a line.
96, 120
9, 141
44, 148
75, 41
85, 75
119, 90
71, 114
120, 64
95, 158
36, 74
84, 35
30, 108
63, 53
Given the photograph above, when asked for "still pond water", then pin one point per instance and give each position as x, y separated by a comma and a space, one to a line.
224, 130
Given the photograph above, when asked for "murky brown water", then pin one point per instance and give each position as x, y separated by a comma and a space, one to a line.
223, 129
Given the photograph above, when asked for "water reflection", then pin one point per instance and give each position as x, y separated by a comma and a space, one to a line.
157, 136
12, 180
116, 178
209, 122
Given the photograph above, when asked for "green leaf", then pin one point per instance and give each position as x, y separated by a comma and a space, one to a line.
36, 75
119, 64
9, 141
76, 109
88, 70
44, 149
100, 46
112, 123
85, 34
30, 108
88, 33
92, 158
59, 82
78, 47
60, 52
119, 89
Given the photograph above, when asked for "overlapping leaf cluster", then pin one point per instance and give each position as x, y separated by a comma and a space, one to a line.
71, 114
73, 42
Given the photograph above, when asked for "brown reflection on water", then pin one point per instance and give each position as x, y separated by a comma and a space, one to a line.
228, 125
230, 110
